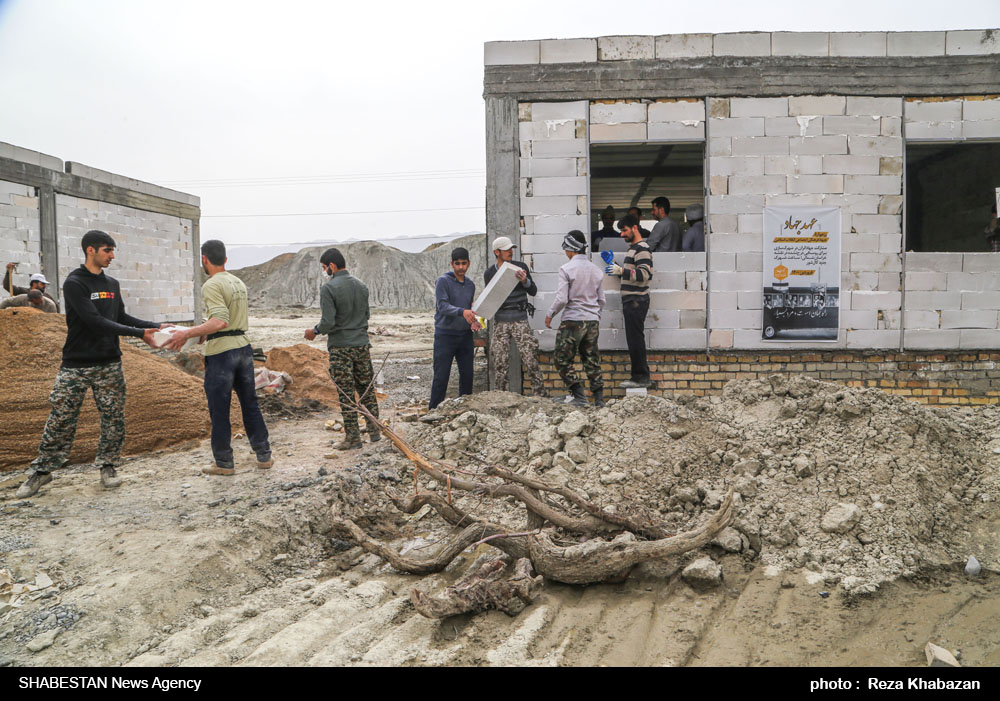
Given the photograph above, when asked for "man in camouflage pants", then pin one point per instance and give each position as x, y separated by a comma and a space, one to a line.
580, 298
344, 304
511, 322
91, 359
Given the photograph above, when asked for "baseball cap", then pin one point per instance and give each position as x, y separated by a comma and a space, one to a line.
502, 243
38, 277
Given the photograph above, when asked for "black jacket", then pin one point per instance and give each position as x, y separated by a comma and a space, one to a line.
95, 318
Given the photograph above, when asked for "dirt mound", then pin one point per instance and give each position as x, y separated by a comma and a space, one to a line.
310, 371
855, 487
164, 406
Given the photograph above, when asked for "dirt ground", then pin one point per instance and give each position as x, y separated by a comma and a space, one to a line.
176, 568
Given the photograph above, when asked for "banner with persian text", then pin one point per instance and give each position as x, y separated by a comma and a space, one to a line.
801, 274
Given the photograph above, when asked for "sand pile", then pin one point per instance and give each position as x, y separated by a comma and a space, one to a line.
164, 406
857, 486
310, 371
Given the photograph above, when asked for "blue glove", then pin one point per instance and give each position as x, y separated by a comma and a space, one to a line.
608, 257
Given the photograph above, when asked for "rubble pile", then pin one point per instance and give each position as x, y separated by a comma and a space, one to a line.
853, 485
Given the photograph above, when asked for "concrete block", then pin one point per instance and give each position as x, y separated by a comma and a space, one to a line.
760, 146
878, 262
734, 282
757, 184
678, 262
751, 223
684, 339
926, 300
549, 187
611, 339
675, 131
890, 204
625, 48
974, 282
750, 299
617, 113
975, 110
568, 51
793, 126
723, 262
859, 318
980, 262
857, 44
671, 46
667, 280
677, 299
676, 111
876, 223
758, 107
985, 339
749, 262
945, 111
817, 145
546, 111
558, 148
793, 165
925, 281
864, 338
815, 183
742, 44
735, 243
720, 146
546, 339
737, 165
794, 200
736, 319
723, 223
972, 42
800, 44
720, 338
934, 130
731, 204
930, 339
915, 44
548, 167
872, 184
696, 280
548, 205
718, 185
985, 129
851, 165
541, 243
549, 129
875, 146
804, 105
509, 53
874, 299
722, 300
920, 319
560, 224
981, 300
740, 126
889, 165
969, 319
892, 126
853, 126
935, 262
663, 318
618, 132
889, 243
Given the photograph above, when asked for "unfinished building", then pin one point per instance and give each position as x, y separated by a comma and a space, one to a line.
897, 135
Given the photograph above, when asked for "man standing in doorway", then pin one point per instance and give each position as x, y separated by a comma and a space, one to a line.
511, 322
694, 238
228, 361
580, 298
666, 235
635, 272
454, 324
344, 303
91, 358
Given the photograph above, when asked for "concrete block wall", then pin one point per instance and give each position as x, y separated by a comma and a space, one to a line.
973, 117
152, 261
809, 150
647, 120
20, 232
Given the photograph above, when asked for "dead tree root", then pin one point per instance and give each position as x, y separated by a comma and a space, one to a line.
483, 589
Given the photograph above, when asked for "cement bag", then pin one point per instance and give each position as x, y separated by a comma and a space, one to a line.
270, 380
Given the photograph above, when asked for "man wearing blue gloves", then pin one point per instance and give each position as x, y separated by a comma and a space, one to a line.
635, 273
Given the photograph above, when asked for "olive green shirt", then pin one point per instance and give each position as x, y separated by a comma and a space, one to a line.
343, 300
225, 297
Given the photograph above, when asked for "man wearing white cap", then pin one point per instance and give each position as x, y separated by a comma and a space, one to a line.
511, 322
36, 282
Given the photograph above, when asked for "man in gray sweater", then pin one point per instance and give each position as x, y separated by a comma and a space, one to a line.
511, 322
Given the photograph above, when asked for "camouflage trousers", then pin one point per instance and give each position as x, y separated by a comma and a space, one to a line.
527, 345
351, 370
579, 337
108, 385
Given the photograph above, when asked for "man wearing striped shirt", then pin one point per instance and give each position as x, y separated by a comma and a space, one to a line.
635, 272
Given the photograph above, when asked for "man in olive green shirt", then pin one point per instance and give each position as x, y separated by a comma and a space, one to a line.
344, 303
228, 361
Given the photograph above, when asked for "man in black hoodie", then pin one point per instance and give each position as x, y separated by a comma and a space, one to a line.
91, 358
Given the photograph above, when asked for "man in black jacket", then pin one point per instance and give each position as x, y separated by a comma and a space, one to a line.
511, 322
91, 358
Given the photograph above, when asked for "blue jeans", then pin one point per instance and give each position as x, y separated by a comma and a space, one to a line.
225, 372
447, 347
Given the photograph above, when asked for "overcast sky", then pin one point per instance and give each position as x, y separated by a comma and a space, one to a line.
320, 107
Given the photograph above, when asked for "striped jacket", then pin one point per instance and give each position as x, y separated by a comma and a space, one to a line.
637, 271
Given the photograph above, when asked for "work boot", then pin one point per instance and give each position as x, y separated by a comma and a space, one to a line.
217, 469
110, 478
31, 485
631, 384
577, 397
598, 398
348, 444
374, 435
265, 463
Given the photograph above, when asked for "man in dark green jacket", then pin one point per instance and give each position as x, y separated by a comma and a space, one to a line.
344, 303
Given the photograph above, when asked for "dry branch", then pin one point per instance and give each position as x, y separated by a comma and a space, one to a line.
482, 589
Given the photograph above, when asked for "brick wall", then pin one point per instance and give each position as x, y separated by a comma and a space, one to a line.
946, 378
